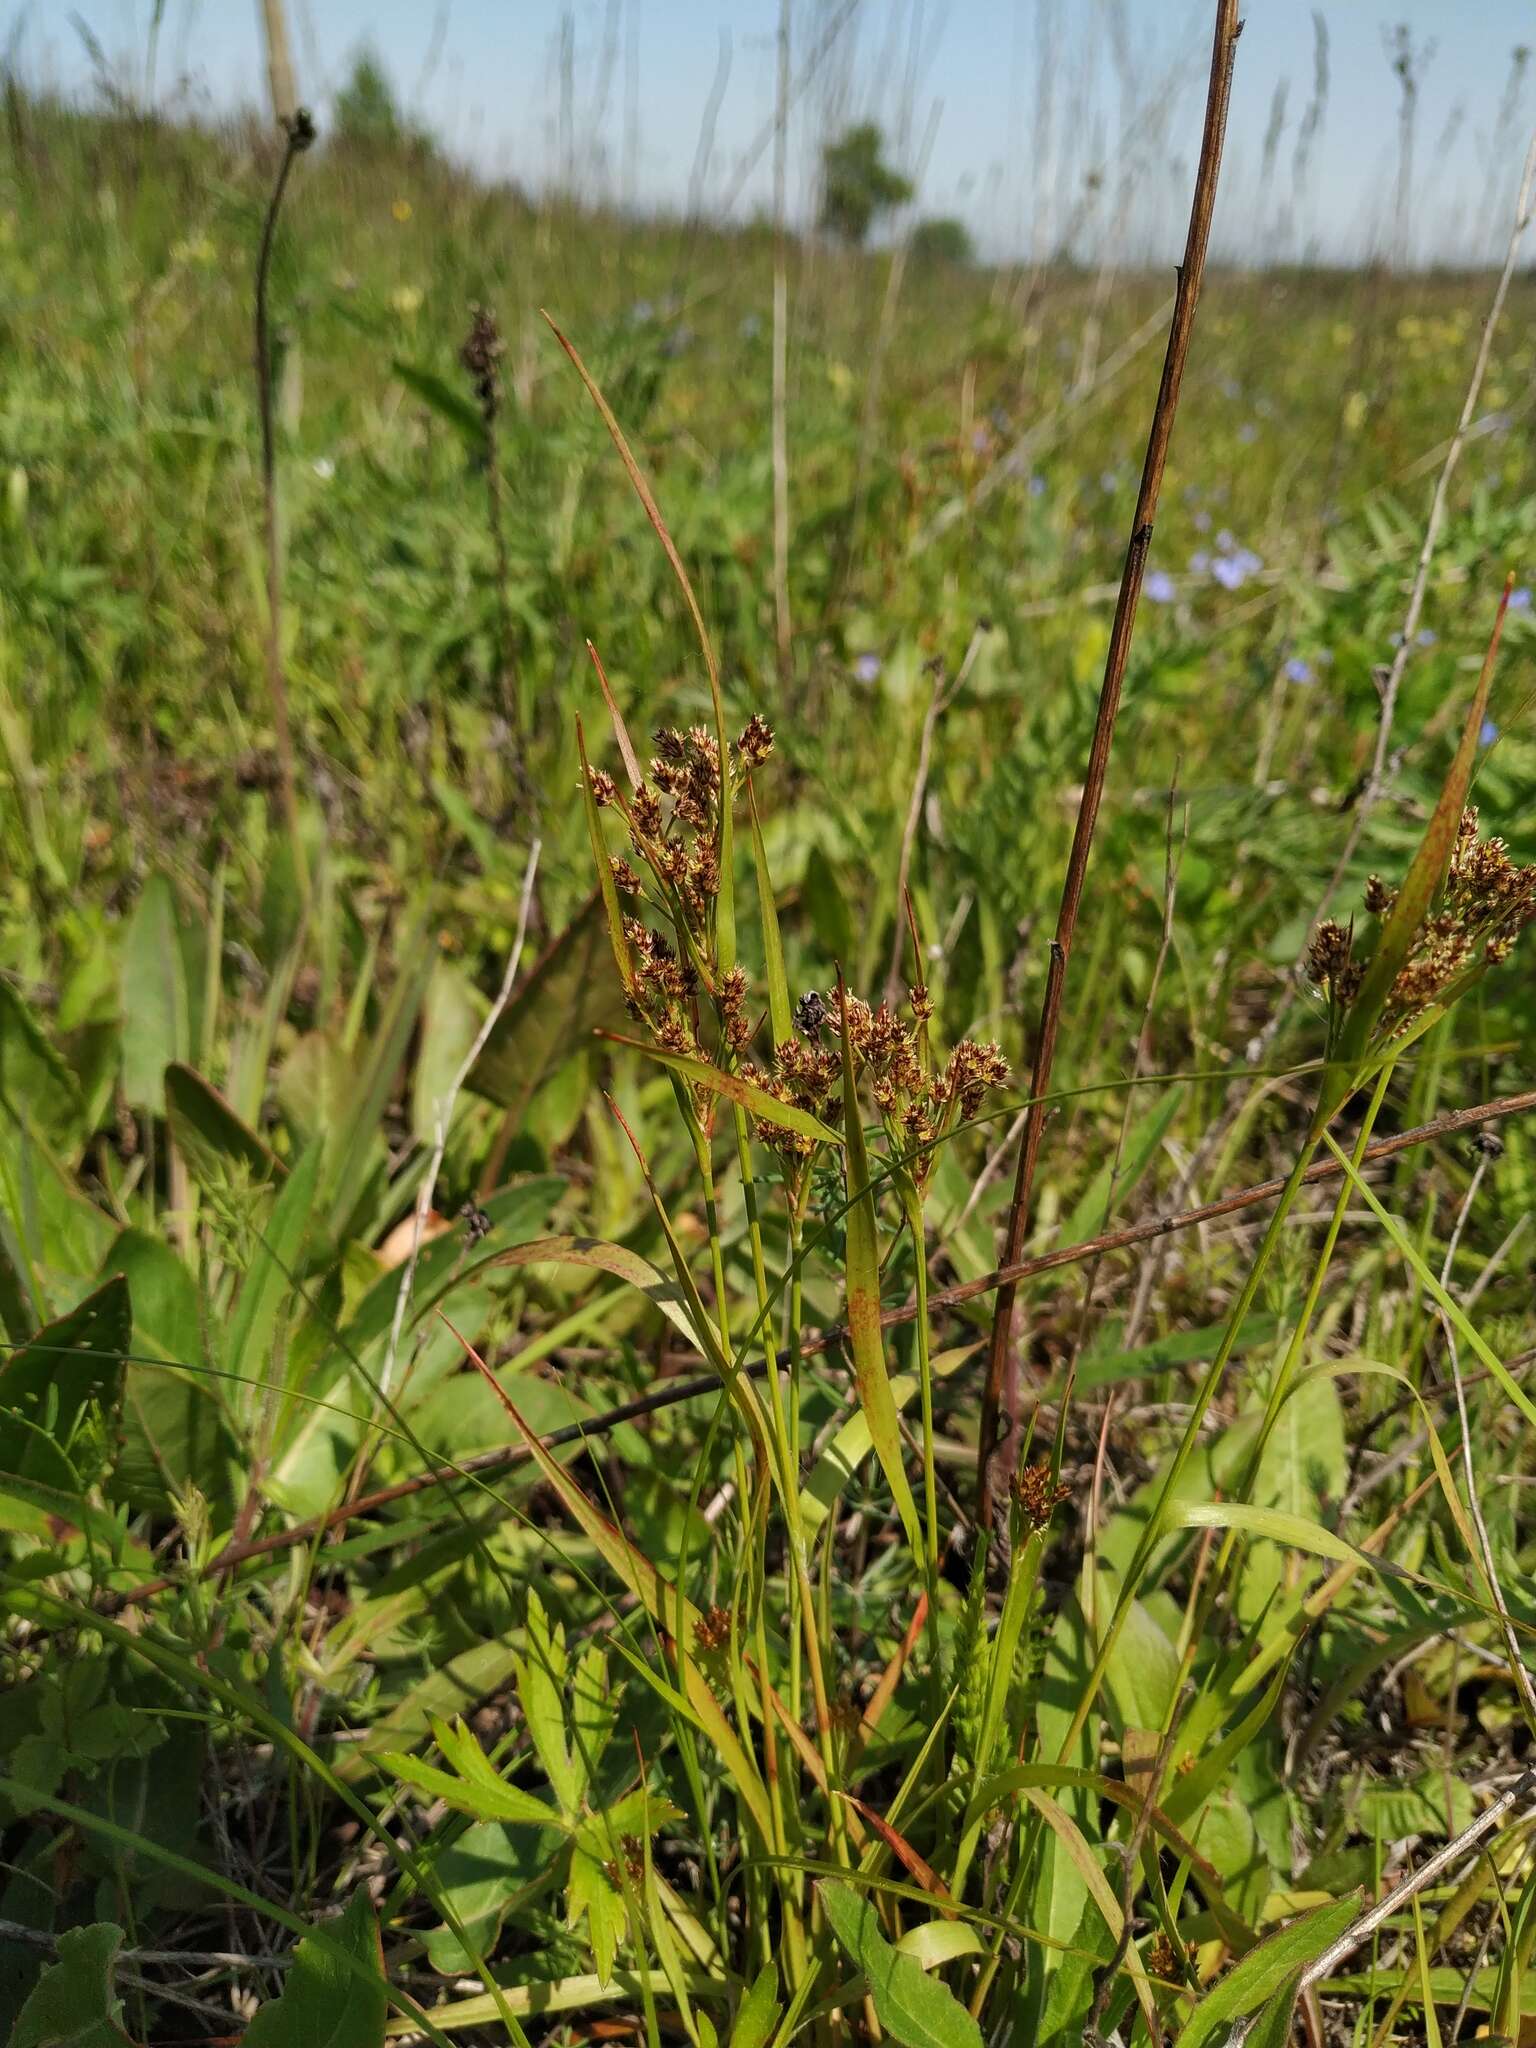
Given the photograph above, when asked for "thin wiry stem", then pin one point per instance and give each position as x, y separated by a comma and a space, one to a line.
299, 133
1376, 1916
1186, 299
695, 1387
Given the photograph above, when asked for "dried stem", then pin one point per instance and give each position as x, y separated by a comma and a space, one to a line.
1001, 1380
783, 631
1376, 1916
697, 1386
299, 133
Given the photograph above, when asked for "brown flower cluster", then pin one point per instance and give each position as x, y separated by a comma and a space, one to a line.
671, 965
917, 1104
1486, 903
1037, 1496
481, 355
674, 832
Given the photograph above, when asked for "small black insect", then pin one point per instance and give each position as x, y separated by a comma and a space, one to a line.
476, 1223
810, 1016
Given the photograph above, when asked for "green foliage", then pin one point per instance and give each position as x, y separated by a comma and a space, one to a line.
723, 1714
365, 113
857, 184
943, 240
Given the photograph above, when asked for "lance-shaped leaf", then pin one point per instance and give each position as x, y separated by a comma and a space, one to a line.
915, 2009
473, 1785
1265, 1969
605, 881
1421, 886
660, 1600
616, 719
862, 1263
746, 1094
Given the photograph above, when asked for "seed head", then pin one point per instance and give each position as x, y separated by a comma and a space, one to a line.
1037, 1497
482, 351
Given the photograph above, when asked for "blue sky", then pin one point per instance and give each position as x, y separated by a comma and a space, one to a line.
1011, 107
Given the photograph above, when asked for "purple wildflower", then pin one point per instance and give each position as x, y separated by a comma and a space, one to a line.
867, 668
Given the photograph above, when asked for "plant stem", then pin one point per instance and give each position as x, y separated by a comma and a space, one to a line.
1001, 1381
299, 133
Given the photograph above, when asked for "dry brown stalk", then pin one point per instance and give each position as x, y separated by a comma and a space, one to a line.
1000, 1389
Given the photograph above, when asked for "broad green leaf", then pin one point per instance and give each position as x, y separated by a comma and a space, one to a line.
917, 2010
758, 2014
453, 406
216, 1145
571, 991
277, 1264
482, 1872
173, 1419
323, 2003
73, 2004
69, 1365
34, 1075
1434, 1803
1275, 2024
1262, 1972
865, 1339
1297, 1531
1070, 1838
154, 994
746, 1094
353, 1141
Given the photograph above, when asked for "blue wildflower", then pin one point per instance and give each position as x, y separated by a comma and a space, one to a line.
1488, 732
1297, 670
1160, 586
1520, 598
867, 668
1037, 486
1425, 637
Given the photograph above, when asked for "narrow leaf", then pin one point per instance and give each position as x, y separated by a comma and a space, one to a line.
323, 2003
915, 2009
1262, 1972
756, 1101
862, 1259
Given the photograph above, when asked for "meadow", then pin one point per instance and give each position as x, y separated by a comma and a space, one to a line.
509, 1099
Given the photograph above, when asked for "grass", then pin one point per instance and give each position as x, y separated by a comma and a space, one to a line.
363, 1668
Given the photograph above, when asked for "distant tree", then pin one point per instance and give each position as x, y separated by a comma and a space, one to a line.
367, 115
857, 183
942, 241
